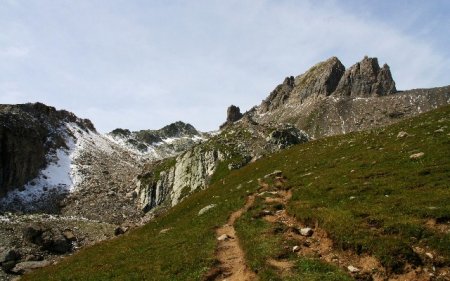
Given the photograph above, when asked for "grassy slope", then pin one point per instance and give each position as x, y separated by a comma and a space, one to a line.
392, 197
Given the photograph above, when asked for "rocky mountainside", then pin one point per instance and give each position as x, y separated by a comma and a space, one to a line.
28, 133
369, 205
328, 100
83, 182
56, 163
159, 144
165, 183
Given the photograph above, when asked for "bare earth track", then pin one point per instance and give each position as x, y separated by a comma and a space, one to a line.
229, 253
232, 265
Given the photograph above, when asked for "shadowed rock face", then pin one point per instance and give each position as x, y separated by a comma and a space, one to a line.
366, 78
233, 113
279, 96
320, 80
27, 133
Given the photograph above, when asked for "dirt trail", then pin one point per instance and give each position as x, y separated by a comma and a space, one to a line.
232, 264
229, 253
319, 245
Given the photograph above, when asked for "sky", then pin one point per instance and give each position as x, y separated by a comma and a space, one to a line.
141, 64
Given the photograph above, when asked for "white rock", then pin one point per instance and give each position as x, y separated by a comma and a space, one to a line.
274, 173
307, 231
416, 155
352, 269
223, 237
295, 249
430, 255
205, 209
402, 134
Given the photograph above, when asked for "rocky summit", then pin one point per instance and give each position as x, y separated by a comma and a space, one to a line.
63, 185
329, 100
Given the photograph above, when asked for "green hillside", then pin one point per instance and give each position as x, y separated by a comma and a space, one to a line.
362, 189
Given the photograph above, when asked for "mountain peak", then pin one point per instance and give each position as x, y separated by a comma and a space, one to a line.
330, 77
366, 78
321, 79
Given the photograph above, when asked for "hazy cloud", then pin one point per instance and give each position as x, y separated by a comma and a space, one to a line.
142, 64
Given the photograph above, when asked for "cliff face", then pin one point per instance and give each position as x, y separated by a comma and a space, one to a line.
365, 79
168, 181
177, 178
27, 133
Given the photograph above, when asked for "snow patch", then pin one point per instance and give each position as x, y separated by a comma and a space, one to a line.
52, 180
62, 174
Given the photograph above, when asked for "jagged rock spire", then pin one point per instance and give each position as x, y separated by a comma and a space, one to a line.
233, 114
321, 79
366, 78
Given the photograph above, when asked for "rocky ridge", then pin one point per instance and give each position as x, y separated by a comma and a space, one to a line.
328, 100
159, 144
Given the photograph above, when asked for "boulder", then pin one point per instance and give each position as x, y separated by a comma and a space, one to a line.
416, 156
286, 136
55, 242
120, 230
9, 255
33, 233
402, 134
306, 231
68, 234
7, 266
50, 239
205, 209
28, 266
353, 269
224, 237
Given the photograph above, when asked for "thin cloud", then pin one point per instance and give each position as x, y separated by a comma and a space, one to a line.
144, 64
14, 52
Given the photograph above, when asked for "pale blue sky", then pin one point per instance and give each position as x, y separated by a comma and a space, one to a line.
144, 64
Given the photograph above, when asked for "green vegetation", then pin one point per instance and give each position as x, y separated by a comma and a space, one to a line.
262, 240
362, 188
156, 169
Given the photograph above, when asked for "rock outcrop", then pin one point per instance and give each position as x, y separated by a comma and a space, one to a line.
176, 178
279, 95
286, 136
233, 115
167, 182
365, 79
321, 80
328, 100
28, 132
